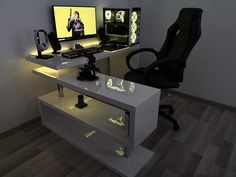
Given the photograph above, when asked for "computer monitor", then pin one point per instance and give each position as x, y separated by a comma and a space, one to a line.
74, 22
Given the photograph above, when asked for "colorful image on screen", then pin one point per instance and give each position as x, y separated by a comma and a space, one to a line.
74, 22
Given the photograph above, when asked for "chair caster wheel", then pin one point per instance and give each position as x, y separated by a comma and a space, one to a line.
171, 111
176, 127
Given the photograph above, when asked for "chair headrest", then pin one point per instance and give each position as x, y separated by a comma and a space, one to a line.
186, 17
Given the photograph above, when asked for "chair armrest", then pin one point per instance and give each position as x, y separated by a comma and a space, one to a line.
148, 70
168, 60
130, 55
155, 64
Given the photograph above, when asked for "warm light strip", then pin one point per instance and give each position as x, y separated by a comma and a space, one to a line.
47, 72
89, 134
49, 51
88, 44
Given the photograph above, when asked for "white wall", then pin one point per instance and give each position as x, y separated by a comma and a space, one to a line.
211, 67
19, 88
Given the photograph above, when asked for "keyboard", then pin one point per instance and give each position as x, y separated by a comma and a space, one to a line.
113, 47
110, 48
81, 52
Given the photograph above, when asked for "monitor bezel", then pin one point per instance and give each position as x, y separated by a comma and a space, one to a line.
71, 38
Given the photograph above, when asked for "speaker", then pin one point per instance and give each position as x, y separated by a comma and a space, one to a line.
54, 43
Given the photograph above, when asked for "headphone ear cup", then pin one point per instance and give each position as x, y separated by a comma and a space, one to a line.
45, 46
41, 47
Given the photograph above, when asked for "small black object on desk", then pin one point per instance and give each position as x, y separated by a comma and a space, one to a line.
81, 104
88, 72
78, 46
56, 46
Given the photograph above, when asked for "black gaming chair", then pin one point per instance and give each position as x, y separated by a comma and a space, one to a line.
168, 69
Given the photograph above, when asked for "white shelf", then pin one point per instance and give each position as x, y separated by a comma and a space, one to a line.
91, 129
52, 74
95, 115
139, 101
107, 89
121, 93
97, 146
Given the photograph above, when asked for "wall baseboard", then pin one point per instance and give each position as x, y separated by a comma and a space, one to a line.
231, 108
20, 127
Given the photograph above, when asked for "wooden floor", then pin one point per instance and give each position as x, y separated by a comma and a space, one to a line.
205, 146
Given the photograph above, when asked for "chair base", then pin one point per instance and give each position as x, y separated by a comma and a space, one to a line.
170, 109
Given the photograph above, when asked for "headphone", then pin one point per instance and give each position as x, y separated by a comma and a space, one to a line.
41, 46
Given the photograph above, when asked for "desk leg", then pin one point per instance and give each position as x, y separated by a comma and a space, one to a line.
127, 148
109, 66
60, 90
127, 121
127, 152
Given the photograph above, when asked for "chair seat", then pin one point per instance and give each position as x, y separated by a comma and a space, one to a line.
157, 79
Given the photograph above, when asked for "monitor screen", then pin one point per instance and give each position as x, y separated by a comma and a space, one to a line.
73, 22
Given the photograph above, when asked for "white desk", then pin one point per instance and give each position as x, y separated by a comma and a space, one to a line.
59, 62
119, 117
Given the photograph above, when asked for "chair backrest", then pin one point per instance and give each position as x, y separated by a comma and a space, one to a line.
181, 38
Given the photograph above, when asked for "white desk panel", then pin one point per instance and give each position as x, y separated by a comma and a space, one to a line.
121, 93
60, 62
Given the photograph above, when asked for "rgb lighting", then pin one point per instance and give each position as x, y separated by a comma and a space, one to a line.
108, 14
134, 17
120, 16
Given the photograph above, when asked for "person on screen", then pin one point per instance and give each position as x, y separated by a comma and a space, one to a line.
76, 25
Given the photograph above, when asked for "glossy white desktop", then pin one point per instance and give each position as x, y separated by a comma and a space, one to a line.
59, 62
120, 115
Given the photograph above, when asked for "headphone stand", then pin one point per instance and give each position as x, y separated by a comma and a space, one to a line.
43, 57
37, 40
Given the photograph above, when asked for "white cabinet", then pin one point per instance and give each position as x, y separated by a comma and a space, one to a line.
120, 115
90, 130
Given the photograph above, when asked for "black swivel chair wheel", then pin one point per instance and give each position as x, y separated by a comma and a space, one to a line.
168, 107
171, 110
176, 127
